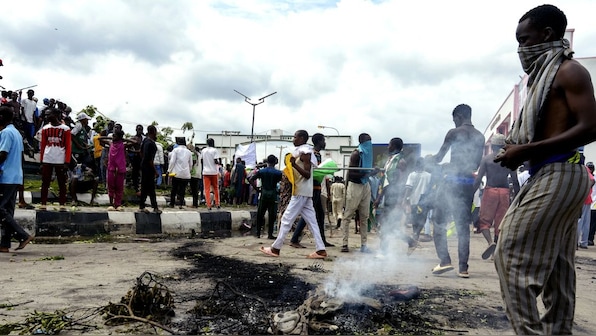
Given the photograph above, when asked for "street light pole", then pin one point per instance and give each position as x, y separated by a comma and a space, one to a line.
333, 128
280, 158
229, 134
261, 100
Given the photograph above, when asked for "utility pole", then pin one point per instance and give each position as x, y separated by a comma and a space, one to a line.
261, 100
280, 158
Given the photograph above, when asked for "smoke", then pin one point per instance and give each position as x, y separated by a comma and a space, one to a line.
389, 264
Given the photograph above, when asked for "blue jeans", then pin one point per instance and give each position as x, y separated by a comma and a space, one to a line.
455, 203
10, 228
583, 226
159, 175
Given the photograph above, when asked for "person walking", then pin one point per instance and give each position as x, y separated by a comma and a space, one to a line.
302, 163
392, 187
495, 197
11, 176
338, 199
456, 191
583, 224
319, 143
535, 254
358, 193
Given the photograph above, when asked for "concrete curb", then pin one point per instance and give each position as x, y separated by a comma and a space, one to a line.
89, 221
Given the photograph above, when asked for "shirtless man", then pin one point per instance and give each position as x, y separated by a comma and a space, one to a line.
536, 250
495, 198
456, 192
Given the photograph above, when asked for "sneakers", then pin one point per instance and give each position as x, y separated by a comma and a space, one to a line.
345, 248
425, 238
365, 249
442, 269
110, 208
489, 251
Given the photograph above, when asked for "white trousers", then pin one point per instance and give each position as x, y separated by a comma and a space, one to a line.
299, 205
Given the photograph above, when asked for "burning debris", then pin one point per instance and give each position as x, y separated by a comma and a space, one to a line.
251, 298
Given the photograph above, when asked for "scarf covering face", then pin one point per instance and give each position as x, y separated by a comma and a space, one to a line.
541, 62
366, 157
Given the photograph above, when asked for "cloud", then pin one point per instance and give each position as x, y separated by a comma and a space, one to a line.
389, 68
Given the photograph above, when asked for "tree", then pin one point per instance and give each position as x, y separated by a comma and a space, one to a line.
163, 135
187, 126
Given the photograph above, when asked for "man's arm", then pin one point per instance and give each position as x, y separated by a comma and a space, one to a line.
480, 175
574, 81
305, 158
253, 180
444, 148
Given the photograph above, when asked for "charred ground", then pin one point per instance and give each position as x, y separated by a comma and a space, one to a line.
239, 297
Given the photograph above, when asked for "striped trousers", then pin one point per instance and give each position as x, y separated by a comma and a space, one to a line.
536, 249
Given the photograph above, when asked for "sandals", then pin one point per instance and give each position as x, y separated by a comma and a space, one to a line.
442, 269
315, 255
489, 251
268, 251
24, 243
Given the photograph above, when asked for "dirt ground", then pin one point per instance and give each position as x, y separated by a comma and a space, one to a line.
82, 276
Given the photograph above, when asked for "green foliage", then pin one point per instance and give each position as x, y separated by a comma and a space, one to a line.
164, 136
187, 126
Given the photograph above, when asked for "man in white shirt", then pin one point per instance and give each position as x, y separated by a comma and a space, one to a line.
159, 162
179, 168
28, 106
211, 160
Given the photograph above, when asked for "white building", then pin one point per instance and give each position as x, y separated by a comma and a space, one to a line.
279, 143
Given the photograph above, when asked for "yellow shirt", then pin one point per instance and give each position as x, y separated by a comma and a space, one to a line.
97, 148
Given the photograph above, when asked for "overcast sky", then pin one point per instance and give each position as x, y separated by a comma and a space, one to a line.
388, 68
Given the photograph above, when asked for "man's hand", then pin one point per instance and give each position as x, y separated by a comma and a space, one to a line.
511, 156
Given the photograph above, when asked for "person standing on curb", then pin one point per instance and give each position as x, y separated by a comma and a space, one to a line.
55, 152
179, 168
11, 176
211, 163
535, 253
148, 169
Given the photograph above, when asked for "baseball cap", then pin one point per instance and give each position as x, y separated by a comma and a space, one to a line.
82, 116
